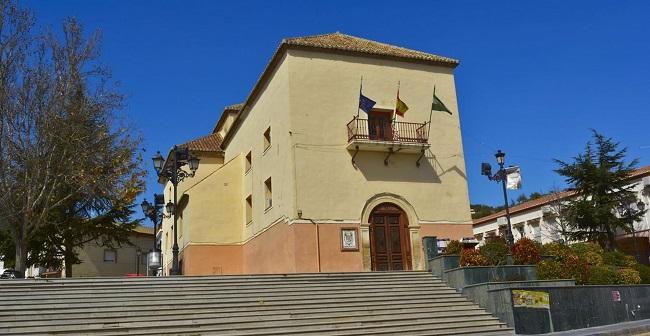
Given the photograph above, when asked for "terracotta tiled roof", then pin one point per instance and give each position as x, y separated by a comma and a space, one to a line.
526, 205
343, 42
143, 229
548, 199
208, 143
234, 107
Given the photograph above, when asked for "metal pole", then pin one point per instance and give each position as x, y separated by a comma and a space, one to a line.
502, 174
636, 248
174, 178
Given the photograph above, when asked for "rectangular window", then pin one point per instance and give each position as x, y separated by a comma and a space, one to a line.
268, 194
110, 256
249, 209
249, 161
267, 138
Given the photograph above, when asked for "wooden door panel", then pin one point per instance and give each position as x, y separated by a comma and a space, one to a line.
389, 245
380, 240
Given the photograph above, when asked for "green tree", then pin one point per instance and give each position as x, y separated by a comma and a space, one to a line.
98, 211
600, 176
68, 167
482, 210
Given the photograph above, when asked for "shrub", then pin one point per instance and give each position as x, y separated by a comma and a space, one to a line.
628, 276
644, 273
471, 257
453, 247
603, 275
592, 258
525, 252
558, 251
584, 248
495, 252
576, 268
550, 270
618, 259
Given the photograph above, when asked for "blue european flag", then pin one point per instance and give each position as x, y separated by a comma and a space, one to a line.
366, 103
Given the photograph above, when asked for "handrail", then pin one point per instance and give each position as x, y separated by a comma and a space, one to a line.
380, 130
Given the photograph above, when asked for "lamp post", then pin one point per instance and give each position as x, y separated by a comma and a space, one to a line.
155, 214
626, 210
500, 176
138, 253
172, 170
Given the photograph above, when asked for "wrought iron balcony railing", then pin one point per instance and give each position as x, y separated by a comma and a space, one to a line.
384, 130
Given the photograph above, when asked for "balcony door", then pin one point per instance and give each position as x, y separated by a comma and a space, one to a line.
380, 126
390, 247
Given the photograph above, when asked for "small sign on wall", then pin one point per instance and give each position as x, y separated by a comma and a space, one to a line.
616, 296
349, 239
530, 299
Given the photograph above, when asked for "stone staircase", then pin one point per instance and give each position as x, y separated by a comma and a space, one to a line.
390, 303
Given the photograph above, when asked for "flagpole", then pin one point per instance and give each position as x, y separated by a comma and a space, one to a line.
431, 112
396, 98
360, 93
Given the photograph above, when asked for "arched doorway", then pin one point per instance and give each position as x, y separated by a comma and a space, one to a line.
390, 246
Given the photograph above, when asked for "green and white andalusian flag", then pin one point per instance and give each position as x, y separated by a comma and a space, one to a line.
437, 104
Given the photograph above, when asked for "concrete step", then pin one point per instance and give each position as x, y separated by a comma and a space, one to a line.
239, 307
281, 288
260, 298
235, 321
309, 311
258, 326
320, 277
391, 303
152, 281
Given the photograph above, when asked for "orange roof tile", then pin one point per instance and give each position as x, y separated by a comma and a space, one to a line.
208, 143
343, 42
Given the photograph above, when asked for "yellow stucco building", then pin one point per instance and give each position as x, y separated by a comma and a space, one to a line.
292, 180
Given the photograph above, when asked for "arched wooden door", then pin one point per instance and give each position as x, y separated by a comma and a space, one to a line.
390, 246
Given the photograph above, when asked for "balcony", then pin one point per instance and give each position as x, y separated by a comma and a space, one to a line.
384, 135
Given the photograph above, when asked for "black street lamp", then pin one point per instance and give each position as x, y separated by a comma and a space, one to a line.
174, 173
155, 214
500, 176
626, 210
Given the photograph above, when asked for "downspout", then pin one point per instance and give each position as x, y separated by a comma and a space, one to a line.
317, 238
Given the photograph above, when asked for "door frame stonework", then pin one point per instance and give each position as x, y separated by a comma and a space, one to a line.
413, 229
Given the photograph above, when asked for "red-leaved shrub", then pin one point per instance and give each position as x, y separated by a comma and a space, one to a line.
471, 257
525, 252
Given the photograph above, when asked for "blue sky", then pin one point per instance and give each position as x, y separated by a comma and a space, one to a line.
534, 76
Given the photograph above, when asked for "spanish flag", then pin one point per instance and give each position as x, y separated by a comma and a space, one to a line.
400, 106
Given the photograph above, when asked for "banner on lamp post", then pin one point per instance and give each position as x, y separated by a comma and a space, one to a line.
513, 178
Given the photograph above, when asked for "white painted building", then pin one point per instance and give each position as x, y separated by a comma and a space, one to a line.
537, 219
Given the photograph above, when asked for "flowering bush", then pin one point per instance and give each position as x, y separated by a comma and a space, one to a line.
453, 247
628, 276
644, 273
618, 259
603, 275
576, 268
558, 251
525, 252
495, 252
550, 270
584, 248
470, 257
